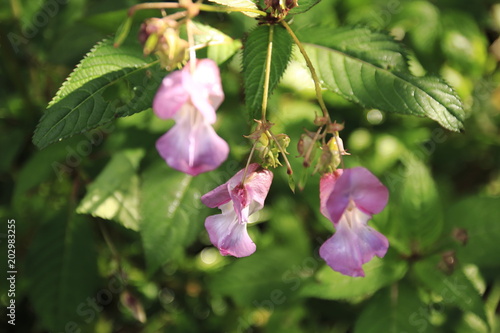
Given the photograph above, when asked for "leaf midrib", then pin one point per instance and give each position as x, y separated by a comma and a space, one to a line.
94, 93
391, 73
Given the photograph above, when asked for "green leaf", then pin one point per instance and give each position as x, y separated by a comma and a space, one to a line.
268, 278
369, 68
304, 6
329, 284
395, 309
171, 213
62, 270
455, 289
254, 63
220, 47
416, 202
114, 195
249, 4
108, 83
480, 217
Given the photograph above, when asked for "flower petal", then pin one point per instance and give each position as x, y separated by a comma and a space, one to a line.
340, 255
191, 145
326, 186
360, 185
353, 244
217, 197
257, 185
205, 88
171, 95
229, 236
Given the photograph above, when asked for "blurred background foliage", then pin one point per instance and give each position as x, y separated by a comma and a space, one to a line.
109, 239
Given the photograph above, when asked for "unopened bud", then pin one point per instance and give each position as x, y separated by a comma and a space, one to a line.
283, 140
173, 50
151, 26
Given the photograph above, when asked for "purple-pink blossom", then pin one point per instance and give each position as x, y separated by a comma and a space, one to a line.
238, 199
191, 99
349, 198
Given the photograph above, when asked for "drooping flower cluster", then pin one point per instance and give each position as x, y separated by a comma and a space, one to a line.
191, 96
191, 99
349, 198
239, 198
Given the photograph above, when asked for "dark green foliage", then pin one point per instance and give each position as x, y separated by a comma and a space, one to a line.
255, 53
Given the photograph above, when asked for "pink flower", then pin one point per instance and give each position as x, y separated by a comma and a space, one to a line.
237, 199
191, 145
349, 198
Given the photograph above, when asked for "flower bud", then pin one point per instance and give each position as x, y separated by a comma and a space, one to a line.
161, 36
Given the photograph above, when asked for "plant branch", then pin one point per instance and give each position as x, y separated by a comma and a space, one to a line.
221, 9
317, 86
267, 73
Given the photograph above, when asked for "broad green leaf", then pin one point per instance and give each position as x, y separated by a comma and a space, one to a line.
114, 195
62, 271
267, 276
254, 63
455, 289
416, 204
304, 6
333, 285
395, 309
219, 46
108, 83
249, 4
171, 213
369, 68
480, 217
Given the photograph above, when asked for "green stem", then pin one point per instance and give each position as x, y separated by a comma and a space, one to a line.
267, 73
220, 9
152, 5
317, 86
311, 147
248, 162
192, 50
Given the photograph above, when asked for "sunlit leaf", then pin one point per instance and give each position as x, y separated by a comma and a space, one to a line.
369, 68
114, 195
108, 83
219, 46
249, 4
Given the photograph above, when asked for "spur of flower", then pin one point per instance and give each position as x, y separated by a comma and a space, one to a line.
349, 198
191, 97
239, 198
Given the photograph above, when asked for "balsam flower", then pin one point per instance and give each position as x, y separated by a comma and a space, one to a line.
238, 199
349, 198
191, 145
